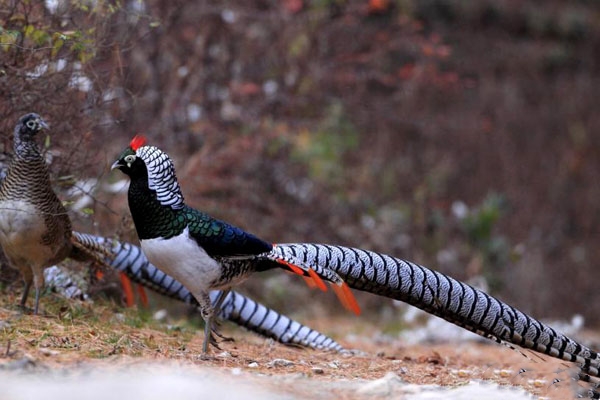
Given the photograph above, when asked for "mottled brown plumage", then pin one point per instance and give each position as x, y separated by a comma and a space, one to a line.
35, 230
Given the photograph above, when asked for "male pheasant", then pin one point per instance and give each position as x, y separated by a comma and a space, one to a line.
199, 251
235, 307
159, 213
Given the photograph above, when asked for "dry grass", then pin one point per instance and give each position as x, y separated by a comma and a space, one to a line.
76, 331
72, 334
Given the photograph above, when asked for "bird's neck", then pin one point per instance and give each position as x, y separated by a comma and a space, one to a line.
26, 149
151, 218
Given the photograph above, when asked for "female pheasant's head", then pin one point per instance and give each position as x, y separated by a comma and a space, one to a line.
29, 125
149, 163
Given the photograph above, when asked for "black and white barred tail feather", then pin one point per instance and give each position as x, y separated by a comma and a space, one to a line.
236, 308
445, 297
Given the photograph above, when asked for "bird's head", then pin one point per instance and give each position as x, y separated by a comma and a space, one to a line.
130, 162
140, 161
29, 125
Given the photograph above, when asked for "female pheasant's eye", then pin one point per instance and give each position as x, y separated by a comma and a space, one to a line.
130, 158
31, 124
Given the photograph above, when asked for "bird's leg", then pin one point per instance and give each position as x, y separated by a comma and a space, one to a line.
220, 298
38, 282
207, 312
26, 288
37, 301
217, 307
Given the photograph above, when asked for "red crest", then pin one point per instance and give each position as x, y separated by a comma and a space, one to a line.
137, 142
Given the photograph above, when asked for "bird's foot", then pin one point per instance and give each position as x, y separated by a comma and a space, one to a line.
214, 342
22, 309
206, 357
223, 338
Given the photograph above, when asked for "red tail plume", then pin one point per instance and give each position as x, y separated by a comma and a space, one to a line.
127, 289
143, 296
137, 142
317, 281
343, 291
346, 297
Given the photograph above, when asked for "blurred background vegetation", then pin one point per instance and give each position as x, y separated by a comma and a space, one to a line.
457, 134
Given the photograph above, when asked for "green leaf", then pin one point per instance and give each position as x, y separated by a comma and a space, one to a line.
8, 38
56, 46
28, 31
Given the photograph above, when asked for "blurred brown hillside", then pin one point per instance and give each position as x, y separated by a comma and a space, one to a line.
463, 135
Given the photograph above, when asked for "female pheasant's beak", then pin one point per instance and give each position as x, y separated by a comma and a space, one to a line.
43, 123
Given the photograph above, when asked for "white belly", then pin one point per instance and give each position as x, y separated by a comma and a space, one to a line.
21, 231
182, 258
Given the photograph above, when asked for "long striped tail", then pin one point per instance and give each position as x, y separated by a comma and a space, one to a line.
236, 308
85, 250
445, 297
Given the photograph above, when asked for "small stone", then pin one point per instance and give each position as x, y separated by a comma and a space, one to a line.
504, 373
317, 370
334, 365
119, 317
21, 364
48, 352
223, 354
280, 362
382, 387
160, 315
539, 383
253, 364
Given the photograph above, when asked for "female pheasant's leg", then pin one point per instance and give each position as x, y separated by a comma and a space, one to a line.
26, 288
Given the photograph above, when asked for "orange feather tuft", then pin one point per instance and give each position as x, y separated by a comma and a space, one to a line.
343, 291
346, 297
127, 289
137, 142
310, 282
291, 266
317, 280
143, 296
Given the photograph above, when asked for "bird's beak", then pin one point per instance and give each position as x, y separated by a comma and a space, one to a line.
116, 165
43, 123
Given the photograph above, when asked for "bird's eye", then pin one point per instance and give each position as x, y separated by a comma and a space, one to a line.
129, 159
31, 124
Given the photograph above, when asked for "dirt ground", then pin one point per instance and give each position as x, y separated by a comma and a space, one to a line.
72, 333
